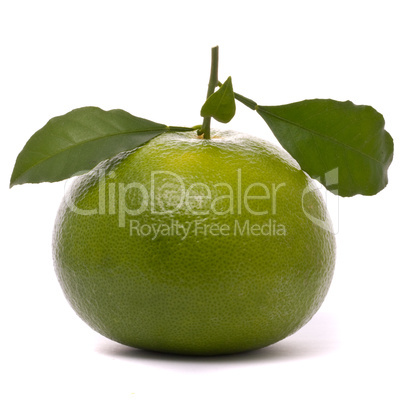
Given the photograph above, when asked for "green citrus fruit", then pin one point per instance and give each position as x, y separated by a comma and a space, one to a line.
195, 246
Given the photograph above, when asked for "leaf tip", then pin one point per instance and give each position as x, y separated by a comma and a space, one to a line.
12, 180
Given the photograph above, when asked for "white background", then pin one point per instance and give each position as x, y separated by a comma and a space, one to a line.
152, 58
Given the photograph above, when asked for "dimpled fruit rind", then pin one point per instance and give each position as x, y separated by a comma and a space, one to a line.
253, 267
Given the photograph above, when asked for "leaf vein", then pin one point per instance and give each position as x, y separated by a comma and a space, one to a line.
313, 132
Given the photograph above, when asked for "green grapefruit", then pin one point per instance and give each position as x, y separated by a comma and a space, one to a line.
195, 246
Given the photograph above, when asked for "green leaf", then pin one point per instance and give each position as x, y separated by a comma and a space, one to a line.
343, 145
221, 104
77, 141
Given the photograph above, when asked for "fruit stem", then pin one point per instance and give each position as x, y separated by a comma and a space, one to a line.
213, 83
